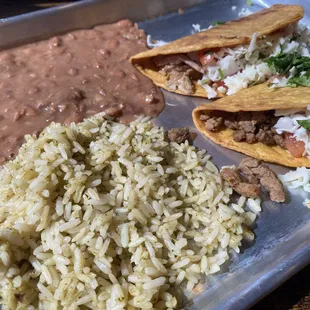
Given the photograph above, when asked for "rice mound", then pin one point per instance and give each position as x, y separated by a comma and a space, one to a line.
100, 215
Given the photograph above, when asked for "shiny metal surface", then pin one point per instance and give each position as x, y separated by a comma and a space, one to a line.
282, 246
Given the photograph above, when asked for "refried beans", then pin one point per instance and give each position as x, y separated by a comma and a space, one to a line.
70, 77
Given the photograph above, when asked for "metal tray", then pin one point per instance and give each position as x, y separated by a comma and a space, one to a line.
282, 246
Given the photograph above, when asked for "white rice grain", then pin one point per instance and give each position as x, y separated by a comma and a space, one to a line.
120, 225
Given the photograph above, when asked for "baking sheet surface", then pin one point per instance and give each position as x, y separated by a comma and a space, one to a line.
282, 231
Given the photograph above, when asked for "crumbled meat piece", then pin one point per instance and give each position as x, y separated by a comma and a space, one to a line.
231, 176
166, 69
273, 121
247, 172
267, 178
235, 181
180, 80
204, 117
251, 178
245, 122
180, 135
244, 116
258, 117
273, 185
186, 85
250, 138
164, 60
279, 140
239, 135
214, 123
231, 124
266, 137
174, 68
248, 190
173, 80
247, 126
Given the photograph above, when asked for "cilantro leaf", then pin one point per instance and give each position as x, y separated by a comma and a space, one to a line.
299, 81
300, 65
281, 63
217, 23
304, 123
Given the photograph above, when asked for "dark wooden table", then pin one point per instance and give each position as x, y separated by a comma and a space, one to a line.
293, 294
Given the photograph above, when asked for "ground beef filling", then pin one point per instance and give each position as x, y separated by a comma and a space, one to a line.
180, 135
180, 75
250, 127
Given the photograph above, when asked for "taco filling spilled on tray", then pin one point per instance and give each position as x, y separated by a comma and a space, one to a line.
282, 58
250, 176
289, 129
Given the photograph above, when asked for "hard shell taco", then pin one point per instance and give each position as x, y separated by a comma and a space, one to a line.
271, 124
232, 56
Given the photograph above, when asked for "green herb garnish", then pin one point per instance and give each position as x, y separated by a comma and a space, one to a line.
304, 123
284, 62
222, 76
249, 2
299, 81
217, 23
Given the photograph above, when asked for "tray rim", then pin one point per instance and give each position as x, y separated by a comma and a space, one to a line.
291, 265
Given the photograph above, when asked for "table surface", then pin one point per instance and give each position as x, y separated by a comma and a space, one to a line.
293, 294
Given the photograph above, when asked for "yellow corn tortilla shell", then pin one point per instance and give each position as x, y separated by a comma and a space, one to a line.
237, 32
257, 98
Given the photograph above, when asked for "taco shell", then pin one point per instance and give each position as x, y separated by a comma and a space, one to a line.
230, 34
256, 98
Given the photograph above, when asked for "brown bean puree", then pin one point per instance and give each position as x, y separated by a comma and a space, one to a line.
70, 77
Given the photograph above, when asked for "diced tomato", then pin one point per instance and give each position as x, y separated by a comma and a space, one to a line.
296, 148
206, 57
220, 83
